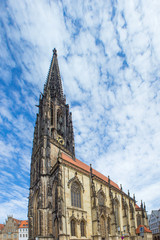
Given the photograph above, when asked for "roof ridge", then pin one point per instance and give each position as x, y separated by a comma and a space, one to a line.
86, 167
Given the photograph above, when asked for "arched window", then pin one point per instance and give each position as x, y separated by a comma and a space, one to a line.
73, 228
60, 123
76, 195
132, 211
125, 210
102, 227
82, 229
109, 225
35, 216
116, 208
56, 198
138, 220
101, 199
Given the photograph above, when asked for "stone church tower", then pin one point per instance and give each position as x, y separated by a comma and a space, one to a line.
69, 199
53, 133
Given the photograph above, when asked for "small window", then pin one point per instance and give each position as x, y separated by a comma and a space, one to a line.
20, 235
73, 230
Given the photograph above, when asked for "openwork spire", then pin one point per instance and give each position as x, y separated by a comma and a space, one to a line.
54, 83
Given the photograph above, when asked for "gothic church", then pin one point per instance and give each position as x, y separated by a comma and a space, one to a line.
69, 199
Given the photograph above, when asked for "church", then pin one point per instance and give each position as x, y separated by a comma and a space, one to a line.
69, 199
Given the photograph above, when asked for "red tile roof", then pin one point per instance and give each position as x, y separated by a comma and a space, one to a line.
1, 226
146, 230
24, 224
85, 167
138, 208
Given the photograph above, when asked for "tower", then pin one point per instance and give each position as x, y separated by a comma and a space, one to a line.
53, 133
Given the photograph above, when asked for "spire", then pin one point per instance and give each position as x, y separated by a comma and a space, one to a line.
54, 83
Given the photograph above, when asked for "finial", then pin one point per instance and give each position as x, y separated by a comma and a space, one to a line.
55, 52
108, 179
128, 193
144, 206
134, 197
90, 167
121, 187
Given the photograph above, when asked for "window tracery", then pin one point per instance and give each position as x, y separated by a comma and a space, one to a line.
101, 199
75, 195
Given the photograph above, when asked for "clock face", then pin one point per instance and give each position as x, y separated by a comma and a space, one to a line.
60, 140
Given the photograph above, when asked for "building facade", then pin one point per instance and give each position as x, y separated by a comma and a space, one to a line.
69, 199
154, 224
23, 230
14, 229
10, 229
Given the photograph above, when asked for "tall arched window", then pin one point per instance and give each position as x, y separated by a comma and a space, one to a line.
102, 227
82, 229
125, 210
116, 208
138, 220
109, 225
56, 198
73, 228
35, 216
101, 199
132, 211
60, 123
76, 195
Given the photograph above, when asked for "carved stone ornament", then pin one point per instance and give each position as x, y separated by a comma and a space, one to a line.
75, 179
49, 193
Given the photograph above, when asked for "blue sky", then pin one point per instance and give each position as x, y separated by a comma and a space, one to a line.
109, 58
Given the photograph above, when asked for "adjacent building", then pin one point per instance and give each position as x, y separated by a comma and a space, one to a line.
14, 229
1, 228
23, 230
154, 224
69, 199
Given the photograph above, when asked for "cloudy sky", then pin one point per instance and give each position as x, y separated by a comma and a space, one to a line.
109, 59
